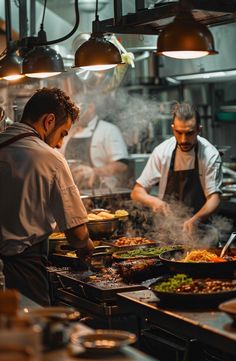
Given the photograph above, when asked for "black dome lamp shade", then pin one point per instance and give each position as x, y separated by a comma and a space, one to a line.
42, 62
10, 66
97, 53
10, 61
185, 38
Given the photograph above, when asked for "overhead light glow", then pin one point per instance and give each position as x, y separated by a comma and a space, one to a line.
98, 67
42, 75
185, 54
13, 77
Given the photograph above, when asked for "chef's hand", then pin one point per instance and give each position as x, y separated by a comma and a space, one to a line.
160, 206
190, 227
84, 175
85, 254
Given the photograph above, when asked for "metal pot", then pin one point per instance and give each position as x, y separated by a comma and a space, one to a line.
102, 229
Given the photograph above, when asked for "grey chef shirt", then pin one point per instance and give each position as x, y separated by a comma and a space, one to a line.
36, 192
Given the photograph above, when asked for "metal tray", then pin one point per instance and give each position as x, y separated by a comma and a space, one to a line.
79, 284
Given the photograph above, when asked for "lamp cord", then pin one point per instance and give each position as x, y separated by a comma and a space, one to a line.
44, 9
77, 20
96, 11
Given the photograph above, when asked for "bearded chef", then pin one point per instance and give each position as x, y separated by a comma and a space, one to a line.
96, 151
36, 191
186, 167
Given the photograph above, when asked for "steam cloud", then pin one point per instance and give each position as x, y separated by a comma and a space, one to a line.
168, 230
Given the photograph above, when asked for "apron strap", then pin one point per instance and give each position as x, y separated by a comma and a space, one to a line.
17, 137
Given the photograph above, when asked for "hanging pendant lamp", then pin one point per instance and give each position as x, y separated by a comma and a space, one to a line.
42, 62
10, 66
185, 38
97, 53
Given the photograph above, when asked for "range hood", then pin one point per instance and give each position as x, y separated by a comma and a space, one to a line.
151, 20
219, 15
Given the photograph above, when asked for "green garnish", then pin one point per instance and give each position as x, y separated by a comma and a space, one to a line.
144, 252
172, 283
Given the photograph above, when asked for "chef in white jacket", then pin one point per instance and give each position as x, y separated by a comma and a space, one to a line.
96, 151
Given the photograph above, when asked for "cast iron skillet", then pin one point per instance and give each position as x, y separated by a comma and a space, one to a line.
199, 269
190, 300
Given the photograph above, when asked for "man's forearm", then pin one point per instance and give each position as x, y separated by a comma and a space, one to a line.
78, 236
140, 194
208, 208
111, 168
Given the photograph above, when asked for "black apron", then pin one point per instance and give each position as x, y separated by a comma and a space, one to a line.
80, 149
185, 185
26, 271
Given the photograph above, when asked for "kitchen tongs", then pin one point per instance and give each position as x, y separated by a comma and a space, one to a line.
228, 243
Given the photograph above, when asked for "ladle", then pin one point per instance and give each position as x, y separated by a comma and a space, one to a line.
228, 243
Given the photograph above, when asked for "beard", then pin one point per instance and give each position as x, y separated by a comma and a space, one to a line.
186, 147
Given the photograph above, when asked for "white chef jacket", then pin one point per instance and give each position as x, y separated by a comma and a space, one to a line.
157, 167
107, 144
36, 189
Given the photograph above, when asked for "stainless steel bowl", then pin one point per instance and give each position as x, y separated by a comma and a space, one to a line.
102, 229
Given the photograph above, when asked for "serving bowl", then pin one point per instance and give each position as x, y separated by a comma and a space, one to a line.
102, 229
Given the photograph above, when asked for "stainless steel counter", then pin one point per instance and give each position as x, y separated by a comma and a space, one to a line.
210, 327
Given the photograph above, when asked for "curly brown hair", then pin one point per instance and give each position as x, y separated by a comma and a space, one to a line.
50, 100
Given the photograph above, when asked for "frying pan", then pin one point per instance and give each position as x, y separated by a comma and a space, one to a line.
189, 300
173, 261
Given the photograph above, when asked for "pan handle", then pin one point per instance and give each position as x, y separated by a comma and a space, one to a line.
228, 243
82, 289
